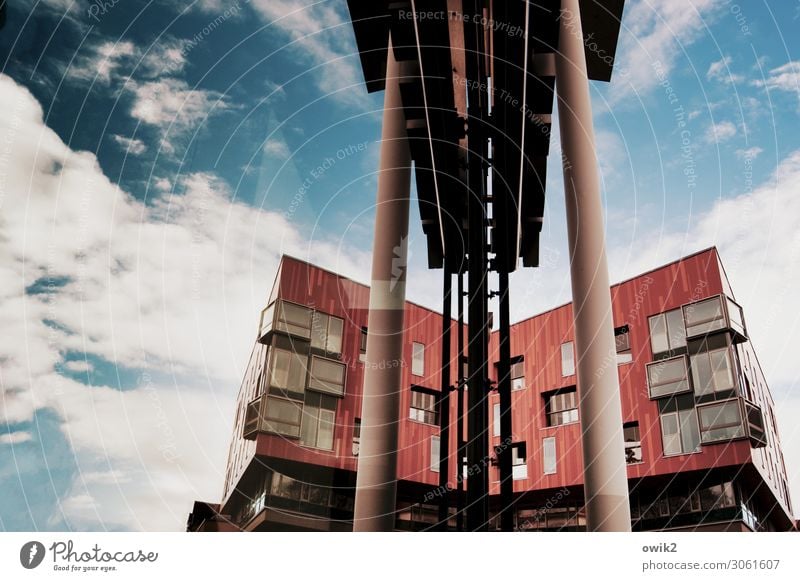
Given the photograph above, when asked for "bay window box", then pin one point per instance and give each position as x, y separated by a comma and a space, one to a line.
668, 377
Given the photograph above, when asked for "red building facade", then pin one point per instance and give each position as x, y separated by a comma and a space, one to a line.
702, 446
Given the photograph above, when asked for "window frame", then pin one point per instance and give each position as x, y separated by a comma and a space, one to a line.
280, 303
662, 362
549, 413
625, 356
714, 388
415, 361
434, 467
571, 345
672, 343
435, 411
549, 442
633, 444
516, 467
316, 388
680, 432
720, 403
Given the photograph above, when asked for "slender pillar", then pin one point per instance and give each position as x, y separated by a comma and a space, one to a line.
376, 484
605, 473
460, 408
504, 389
444, 406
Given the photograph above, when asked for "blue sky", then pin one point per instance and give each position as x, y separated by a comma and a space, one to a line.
156, 158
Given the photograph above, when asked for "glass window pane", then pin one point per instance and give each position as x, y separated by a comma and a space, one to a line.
658, 334
310, 424
327, 376
319, 330
704, 316
327, 420
676, 329
549, 454
567, 359
690, 436
670, 434
721, 421
294, 319
418, 359
721, 369
736, 317
434, 453
283, 410
701, 374
335, 330
496, 418
667, 377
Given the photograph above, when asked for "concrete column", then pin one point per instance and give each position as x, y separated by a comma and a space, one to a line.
376, 481
605, 472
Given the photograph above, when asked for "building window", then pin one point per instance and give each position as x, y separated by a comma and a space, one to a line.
326, 333
362, 350
293, 319
712, 371
356, 436
720, 421
251, 417
717, 496
287, 372
424, 406
319, 419
755, 424
518, 375
519, 465
435, 447
622, 339
326, 376
679, 432
567, 359
561, 407
633, 443
667, 331
549, 455
418, 359
496, 420
704, 317
668, 377
283, 416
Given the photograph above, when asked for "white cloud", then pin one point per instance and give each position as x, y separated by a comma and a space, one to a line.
15, 437
720, 71
322, 35
110, 62
749, 154
132, 146
78, 366
718, 133
174, 108
656, 32
174, 286
277, 148
783, 78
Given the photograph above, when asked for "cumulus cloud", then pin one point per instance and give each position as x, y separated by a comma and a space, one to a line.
653, 34
321, 33
15, 438
783, 78
277, 148
107, 61
718, 133
169, 288
749, 153
720, 71
131, 146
